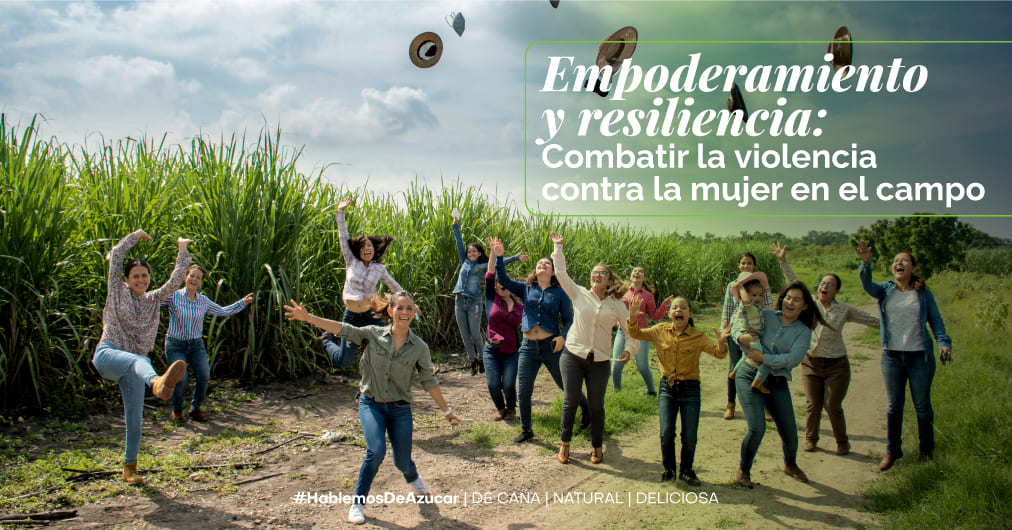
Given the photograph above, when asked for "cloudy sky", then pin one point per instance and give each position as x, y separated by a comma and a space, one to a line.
337, 80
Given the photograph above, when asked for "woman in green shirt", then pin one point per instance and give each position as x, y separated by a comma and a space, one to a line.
391, 358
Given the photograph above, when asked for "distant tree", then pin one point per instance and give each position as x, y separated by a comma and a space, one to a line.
825, 238
935, 241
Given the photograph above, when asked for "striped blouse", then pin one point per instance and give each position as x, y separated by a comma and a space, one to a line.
186, 317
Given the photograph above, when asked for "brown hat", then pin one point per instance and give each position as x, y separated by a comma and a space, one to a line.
426, 50
746, 277
613, 53
842, 48
736, 102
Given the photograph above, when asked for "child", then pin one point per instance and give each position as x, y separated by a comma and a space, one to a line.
750, 288
679, 345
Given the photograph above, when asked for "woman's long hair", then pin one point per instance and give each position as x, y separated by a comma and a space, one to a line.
915, 281
379, 246
810, 315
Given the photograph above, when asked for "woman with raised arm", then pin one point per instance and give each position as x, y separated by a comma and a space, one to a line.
678, 345
786, 336
586, 359
392, 358
129, 324
184, 340
504, 316
826, 369
547, 317
474, 263
907, 308
363, 261
637, 289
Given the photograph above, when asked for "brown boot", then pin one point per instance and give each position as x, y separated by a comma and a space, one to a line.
597, 455
758, 385
130, 475
501, 415
163, 385
563, 455
511, 414
730, 411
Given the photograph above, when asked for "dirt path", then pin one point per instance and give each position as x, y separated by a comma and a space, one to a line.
522, 486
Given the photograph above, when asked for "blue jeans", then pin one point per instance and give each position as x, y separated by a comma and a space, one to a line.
195, 354
133, 372
898, 367
778, 402
684, 397
532, 354
343, 355
468, 311
501, 376
642, 362
733, 355
377, 420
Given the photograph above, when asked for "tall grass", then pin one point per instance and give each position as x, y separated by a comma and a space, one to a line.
997, 261
260, 226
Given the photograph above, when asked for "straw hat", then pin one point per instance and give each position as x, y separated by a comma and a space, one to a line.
842, 48
736, 102
426, 50
613, 53
746, 277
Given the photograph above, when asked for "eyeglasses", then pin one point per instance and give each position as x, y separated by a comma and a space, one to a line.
599, 273
827, 284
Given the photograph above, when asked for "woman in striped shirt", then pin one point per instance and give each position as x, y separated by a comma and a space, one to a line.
184, 338
129, 324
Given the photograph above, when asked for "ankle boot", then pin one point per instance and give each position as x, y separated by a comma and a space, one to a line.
163, 385
130, 475
474, 367
501, 415
730, 411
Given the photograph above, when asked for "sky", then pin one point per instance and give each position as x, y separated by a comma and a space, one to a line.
337, 80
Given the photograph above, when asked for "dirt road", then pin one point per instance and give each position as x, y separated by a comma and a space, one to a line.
522, 486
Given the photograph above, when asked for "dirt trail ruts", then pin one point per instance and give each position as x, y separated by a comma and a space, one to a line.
522, 485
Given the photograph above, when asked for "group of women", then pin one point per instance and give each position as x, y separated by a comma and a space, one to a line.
564, 326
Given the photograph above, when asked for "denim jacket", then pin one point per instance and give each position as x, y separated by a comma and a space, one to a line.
929, 312
784, 347
542, 307
472, 275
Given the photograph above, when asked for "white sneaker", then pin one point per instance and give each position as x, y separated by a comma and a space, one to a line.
418, 487
355, 514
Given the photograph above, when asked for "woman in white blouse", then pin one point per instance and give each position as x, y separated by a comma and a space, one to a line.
596, 312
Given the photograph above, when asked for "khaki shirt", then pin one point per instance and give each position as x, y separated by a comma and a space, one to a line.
678, 352
387, 375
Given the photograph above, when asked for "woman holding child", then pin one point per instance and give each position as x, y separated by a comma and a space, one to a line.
785, 338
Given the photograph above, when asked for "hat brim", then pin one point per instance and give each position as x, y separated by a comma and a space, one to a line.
426, 50
617, 47
842, 48
737, 102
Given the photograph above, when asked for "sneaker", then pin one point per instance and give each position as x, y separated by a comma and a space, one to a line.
418, 488
796, 473
356, 514
843, 448
689, 477
197, 415
809, 446
667, 475
523, 437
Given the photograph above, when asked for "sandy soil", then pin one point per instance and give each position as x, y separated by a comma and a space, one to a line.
522, 486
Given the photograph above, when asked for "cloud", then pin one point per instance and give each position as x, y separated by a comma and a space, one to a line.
244, 69
118, 75
379, 114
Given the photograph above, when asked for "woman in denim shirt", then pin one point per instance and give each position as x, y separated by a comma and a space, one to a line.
907, 308
468, 301
786, 336
545, 306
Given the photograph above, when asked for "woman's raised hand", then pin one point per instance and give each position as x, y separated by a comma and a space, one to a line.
182, 242
296, 311
556, 239
248, 299
344, 204
864, 251
780, 251
143, 235
495, 245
